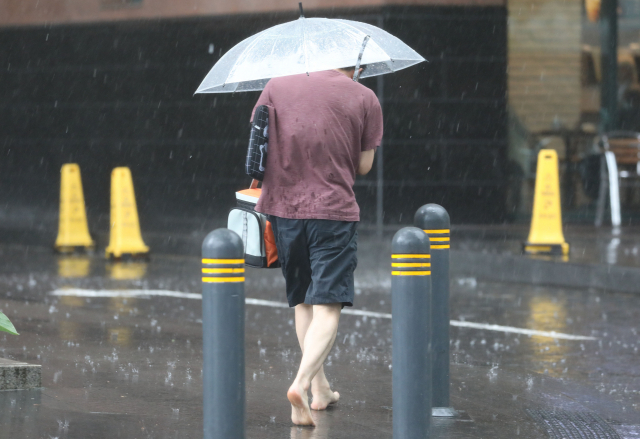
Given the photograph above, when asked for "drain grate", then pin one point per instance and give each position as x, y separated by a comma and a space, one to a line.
562, 424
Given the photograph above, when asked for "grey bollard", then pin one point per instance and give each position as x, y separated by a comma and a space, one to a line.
411, 311
223, 335
434, 220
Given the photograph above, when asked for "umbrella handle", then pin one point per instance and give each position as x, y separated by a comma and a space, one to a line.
356, 74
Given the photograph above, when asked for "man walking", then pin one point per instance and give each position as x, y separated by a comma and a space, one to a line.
325, 128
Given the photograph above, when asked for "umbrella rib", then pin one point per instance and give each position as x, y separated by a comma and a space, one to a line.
359, 32
304, 46
346, 23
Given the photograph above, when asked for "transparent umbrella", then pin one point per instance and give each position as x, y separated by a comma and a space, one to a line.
303, 46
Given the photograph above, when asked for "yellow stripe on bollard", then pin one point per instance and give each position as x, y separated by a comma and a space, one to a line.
223, 261
410, 264
439, 239
410, 256
410, 273
434, 239
222, 279
222, 270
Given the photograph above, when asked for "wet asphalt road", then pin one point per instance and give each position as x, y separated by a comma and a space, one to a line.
131, 367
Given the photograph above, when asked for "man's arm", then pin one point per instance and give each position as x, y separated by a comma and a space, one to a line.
366, 162
372, 133
264, 99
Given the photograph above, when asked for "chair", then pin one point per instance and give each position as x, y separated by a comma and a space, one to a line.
620, 166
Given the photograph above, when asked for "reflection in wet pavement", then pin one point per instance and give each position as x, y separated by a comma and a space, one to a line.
73, 266
131, 366
127, 270
589, 245
548, 314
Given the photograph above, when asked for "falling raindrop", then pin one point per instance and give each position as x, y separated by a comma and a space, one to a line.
529, 383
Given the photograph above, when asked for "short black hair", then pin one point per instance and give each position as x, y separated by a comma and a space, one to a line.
362, 66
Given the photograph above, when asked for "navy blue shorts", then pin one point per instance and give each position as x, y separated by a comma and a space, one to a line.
318, 259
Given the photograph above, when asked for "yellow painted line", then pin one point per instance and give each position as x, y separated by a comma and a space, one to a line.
410, 273
410, 256
439, 239
438, 231
222, 279
223, 261
223, 270
439, 247
410, 264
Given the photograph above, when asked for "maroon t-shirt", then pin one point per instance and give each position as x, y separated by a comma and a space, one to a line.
319, 126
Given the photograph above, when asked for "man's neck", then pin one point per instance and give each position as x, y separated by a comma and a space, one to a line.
347, 73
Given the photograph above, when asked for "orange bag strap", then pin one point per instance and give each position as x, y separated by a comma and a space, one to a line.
271, 249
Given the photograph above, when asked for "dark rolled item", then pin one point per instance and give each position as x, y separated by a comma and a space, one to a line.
258, 144
411, 311
223, 335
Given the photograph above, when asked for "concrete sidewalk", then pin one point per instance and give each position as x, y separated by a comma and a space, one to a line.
600, 258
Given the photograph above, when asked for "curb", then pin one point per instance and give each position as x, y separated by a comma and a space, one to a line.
521, 269
15, 375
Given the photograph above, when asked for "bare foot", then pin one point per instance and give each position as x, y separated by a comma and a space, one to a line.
300, 413
323, 397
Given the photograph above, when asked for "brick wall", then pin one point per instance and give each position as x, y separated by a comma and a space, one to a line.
544, 38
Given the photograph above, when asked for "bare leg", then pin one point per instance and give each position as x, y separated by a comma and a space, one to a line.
320, 387
319, 338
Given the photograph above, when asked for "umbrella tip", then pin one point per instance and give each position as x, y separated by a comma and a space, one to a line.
301, 11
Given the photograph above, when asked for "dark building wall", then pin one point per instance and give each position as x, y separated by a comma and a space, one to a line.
445, 120
121, 94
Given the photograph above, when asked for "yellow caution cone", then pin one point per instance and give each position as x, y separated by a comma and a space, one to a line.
546, 235
73, 231
125, 238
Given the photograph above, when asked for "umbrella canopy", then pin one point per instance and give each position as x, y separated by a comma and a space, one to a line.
303, 46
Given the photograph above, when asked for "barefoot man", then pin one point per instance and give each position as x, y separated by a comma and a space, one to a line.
325, 129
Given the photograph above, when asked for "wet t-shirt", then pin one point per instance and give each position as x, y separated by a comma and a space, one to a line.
321, 124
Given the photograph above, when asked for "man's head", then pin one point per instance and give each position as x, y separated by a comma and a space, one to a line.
350, 71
